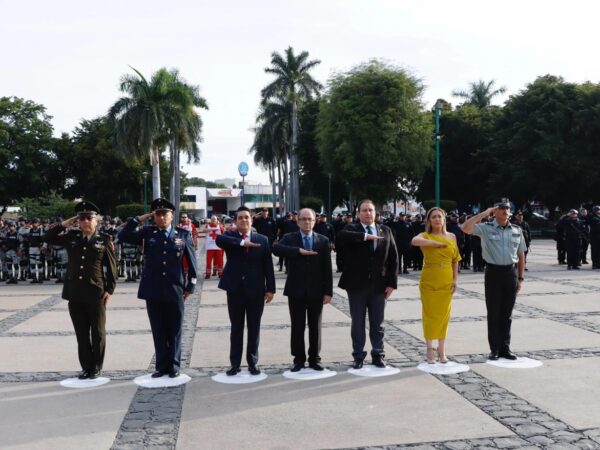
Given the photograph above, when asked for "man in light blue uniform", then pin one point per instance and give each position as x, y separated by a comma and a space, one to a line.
503, 247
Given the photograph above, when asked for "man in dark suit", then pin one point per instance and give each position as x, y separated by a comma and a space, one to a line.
249, 280
309, 286
87, 287
164, 284
369, 277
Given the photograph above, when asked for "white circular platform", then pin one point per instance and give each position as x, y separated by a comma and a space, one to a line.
76, 383
448, 368
243, 377
147, 381
519, 363
309, 374
372, 371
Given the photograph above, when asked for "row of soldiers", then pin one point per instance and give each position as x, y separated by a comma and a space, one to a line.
25, 256
404, 228
577, 231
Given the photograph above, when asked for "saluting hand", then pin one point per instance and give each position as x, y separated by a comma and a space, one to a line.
374, 237
69, 222
249, 243
145, 217
438, 244
305, 252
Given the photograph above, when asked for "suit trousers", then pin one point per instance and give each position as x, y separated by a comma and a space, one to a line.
573, 251
595, 249
500, 296
166, 321
404, 257
240, 306
362, 301
89, 320
303, 310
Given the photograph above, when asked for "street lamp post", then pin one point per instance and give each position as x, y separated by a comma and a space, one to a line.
438, 110
145, 174
329, 197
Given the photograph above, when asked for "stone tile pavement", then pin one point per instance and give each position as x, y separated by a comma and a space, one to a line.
556, 320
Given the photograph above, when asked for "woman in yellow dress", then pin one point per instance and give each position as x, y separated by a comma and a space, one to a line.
438, 280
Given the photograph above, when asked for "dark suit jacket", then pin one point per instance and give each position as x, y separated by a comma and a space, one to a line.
85, 276
308, 276
251, 271
362, 265
163, 277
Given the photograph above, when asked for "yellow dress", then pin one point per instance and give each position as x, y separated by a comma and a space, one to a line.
436, 286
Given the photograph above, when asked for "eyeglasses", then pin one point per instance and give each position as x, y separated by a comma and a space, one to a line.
306, 219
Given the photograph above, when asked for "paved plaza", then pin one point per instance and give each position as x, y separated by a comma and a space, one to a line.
556, 321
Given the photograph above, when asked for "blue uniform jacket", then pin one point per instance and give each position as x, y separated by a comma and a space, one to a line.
251, 271
163, 275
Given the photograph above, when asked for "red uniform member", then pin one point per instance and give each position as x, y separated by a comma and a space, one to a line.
214, 255
191, 228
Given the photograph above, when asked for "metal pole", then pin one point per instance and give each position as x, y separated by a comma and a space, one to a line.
243, 188
437, 155
329, 198
145, 190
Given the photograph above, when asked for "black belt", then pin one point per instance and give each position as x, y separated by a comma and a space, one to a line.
496, 266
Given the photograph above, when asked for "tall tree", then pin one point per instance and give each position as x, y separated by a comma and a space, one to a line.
155, 114
480, 93
28, 166
373, 132
293, 85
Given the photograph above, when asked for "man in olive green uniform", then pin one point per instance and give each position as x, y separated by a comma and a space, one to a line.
86, 286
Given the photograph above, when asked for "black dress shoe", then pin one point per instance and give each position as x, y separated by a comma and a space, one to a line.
233, 371
297, 367
93, 374
493, 356
378, 362
157, 374
253, 370
358, 363
507, 354
174, 374
316, 366
83, 375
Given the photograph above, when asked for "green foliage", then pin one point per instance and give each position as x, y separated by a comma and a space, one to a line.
47, 206
446, 205
545, 145
195, 181
465, 162
480, 93
28, 165
314, 181
130, 210
312, 202
372, 132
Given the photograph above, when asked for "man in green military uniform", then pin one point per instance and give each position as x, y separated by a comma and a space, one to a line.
86, 286
503, 247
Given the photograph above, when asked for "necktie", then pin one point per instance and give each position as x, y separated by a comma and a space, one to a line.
370, 231
244, 236
307, 243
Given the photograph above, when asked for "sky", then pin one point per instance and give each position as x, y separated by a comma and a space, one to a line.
70, 55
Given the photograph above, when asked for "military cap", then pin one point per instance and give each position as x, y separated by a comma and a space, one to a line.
595, 209
573, 211
106, 218
162, 204
86, 207
502, 202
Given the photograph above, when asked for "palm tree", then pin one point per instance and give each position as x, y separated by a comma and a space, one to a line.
293, 85
156, 114
480, 93
271, 142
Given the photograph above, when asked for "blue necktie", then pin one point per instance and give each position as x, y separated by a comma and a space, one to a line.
307, 243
